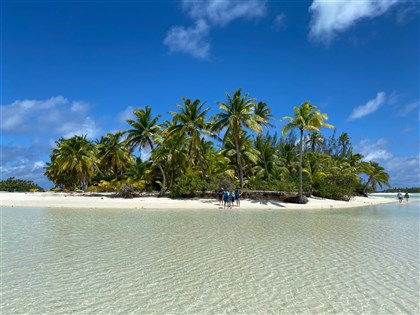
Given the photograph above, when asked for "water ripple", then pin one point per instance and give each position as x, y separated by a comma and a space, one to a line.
211, 262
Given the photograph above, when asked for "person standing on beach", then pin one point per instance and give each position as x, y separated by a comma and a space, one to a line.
406, 196
400, 196
232, 198
220, 196
225, 198
238, 196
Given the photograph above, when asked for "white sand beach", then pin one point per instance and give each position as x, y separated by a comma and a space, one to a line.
78, 200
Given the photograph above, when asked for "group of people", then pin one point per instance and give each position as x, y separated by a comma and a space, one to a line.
228, 198
400, 196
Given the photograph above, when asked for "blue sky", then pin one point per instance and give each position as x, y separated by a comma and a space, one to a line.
80, 67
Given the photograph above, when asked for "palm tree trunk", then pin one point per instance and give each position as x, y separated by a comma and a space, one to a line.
367, 184
239, 160
203, 171
300, 195
162, 190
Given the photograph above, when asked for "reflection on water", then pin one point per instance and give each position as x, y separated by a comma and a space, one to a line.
363, 260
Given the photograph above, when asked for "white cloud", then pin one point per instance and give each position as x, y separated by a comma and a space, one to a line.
56, 116
192, 40
368, 108
126, 114
332, 17
29, 129
376, 151
403, 171
222, 12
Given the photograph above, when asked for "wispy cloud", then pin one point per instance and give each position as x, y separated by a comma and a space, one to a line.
279, 22
222, 12
368, 108
404, 171
409, 108
56, 116
37, 124
191, 40
374, 151
194, 40
329, 18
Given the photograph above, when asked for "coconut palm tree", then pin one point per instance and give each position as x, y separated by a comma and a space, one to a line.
114, 154
76, 158
238, 114
344, 143
145, 130
190, 122
315, 138
306, 118
377, 176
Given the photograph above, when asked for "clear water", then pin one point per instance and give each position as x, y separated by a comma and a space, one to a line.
363, 260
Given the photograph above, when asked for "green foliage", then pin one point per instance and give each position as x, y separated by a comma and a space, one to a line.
181, 157
116, 185
21, 185
338, 187
188, 185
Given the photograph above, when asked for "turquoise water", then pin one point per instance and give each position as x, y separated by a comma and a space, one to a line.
351, 261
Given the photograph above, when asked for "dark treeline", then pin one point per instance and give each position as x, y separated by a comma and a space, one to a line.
20, 185
411, 190
193, 152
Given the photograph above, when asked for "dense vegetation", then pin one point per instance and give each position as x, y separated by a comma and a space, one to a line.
193, 152
21, 185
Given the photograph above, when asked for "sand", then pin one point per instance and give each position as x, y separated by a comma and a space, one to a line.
78, 200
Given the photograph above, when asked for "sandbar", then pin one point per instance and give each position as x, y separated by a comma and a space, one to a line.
79, 200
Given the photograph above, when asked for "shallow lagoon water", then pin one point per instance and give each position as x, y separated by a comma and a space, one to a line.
362, 260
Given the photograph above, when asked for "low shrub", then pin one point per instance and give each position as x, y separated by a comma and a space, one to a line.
187, 186
127, 191
335, 187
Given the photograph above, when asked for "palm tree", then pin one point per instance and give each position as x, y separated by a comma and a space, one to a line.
190, 122
249, 154
344, 143
269, 157
306, 118
114, 153
144, 133
238, 113
315, 138
76, 158
377, 176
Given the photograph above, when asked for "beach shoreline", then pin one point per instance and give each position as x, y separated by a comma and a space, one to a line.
85, 201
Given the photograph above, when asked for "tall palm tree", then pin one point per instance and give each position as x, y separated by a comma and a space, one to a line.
190, 122
269, 157
315, 138
344, 143
114, 153
238, 114
144, 132
306, 118
377, 176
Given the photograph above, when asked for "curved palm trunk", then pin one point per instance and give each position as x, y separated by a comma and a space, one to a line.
300, 165
162, 190
367, 184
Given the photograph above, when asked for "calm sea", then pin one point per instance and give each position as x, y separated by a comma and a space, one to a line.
363, 260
